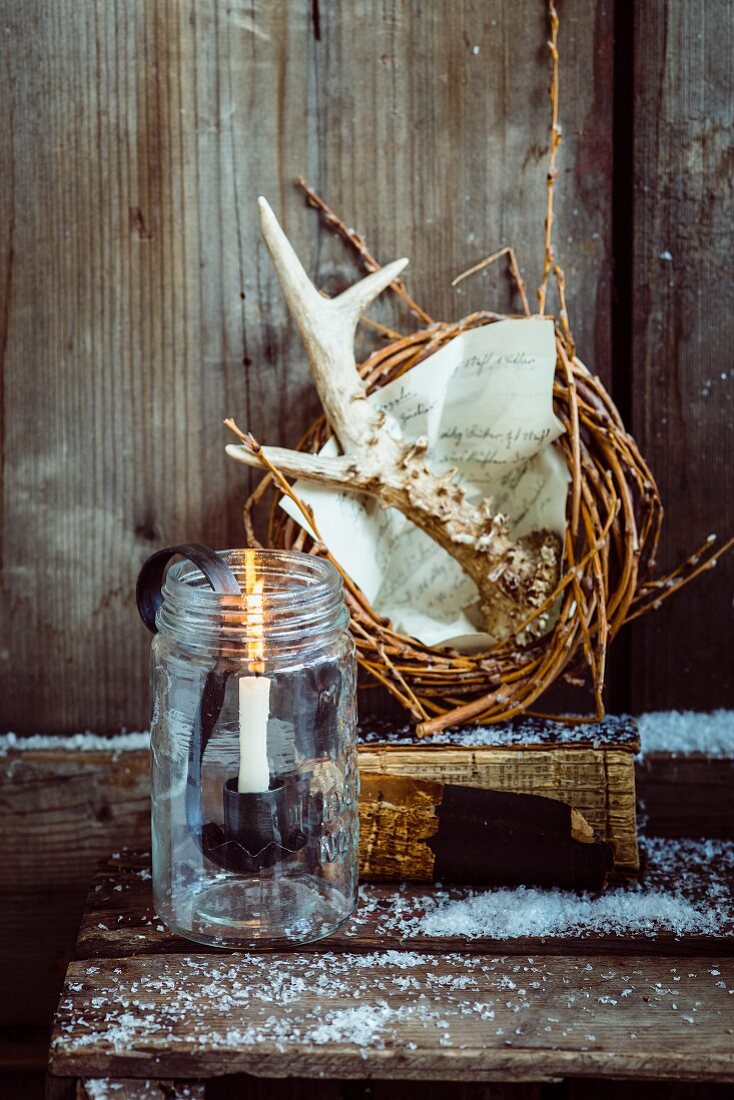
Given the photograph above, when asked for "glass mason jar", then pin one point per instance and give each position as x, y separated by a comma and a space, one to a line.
254, 763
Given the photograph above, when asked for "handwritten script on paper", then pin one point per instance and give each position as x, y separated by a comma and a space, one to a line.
484, 401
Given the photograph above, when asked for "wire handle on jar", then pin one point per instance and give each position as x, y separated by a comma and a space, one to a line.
149, 588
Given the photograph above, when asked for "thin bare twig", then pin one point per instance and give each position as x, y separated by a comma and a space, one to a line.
555, 141
565, 326
249, 441
359, 245
514, 268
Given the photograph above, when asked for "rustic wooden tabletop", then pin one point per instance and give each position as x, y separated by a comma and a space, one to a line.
638, 983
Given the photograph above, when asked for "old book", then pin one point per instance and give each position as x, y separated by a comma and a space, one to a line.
530, 801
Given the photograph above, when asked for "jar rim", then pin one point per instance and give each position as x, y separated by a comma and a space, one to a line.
307, 575
301, 600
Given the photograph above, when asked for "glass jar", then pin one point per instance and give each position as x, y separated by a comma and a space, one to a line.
254, 763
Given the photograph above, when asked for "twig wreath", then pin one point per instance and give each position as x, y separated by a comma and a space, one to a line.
614, 510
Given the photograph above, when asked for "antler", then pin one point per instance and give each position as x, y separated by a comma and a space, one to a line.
513, 578
327, 327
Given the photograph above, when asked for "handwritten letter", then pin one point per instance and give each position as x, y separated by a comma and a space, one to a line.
484, 401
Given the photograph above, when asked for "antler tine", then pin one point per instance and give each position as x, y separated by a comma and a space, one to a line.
327, 327
296, 284
337, 472
354, 300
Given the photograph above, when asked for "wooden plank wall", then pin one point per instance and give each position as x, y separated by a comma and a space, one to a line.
139, 307
682, 380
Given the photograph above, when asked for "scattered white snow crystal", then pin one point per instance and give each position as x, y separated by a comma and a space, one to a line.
101, 1088
355, 1025
250, 1000
686, 889
87, 742
666, 256
612, 730
525, 912
266, 1001
684, 732
662, 731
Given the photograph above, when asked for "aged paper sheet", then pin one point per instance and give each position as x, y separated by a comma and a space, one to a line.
484, 402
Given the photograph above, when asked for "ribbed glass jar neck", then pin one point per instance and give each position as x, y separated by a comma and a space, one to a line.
298, 611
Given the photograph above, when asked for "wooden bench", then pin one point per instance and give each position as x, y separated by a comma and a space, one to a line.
389, 997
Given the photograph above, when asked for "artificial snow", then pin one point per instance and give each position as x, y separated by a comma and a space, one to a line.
525, 912
412, 999
683, 732
677, 732
686, 891
87, 742
618, 730
258, 1005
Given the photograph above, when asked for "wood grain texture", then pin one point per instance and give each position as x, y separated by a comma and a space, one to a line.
139, 307
396, 818
686, 796
397, 1015
119, 921
682, 380
59, 813
62, 812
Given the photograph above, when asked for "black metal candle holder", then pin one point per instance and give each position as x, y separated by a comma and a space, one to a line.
262, 828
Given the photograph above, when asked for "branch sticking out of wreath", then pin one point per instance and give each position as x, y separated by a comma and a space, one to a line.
513, 577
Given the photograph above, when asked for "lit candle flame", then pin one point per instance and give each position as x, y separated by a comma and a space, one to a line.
255, 614
254, 690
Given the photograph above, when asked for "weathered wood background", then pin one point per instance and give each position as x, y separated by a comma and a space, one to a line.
139, 307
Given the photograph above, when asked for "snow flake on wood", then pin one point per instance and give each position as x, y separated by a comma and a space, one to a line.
685, 732
612, 731
254, 1006
673, 898
75, 742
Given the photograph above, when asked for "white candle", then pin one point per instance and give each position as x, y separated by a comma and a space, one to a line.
254, 712
254, 692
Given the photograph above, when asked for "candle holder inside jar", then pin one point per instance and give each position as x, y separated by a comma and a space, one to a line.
254, 774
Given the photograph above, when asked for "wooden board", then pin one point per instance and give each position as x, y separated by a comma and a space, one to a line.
63, 809
686, 795
139, 307
397, 1015
377, 1001
681, 383
60, 812
119, 921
